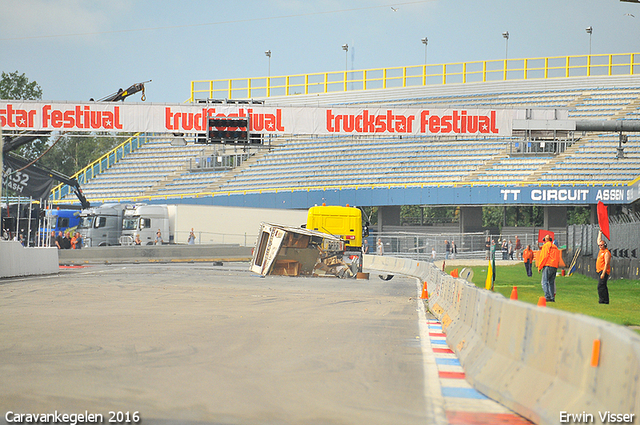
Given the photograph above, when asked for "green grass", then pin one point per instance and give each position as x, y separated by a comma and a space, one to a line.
576, 293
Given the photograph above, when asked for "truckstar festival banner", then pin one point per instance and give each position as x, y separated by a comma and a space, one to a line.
192, 118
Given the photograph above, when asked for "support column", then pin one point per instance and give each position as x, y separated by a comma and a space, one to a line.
593, 216
471, 219
388, 216
555, 217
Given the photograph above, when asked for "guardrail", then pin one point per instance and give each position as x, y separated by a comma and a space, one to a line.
540, 362
418, 75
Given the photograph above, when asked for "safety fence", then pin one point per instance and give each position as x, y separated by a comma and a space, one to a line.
432, 246
582, 242
418, 75
540, 362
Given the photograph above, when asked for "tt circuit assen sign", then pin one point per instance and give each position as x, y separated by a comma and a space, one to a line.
192, 118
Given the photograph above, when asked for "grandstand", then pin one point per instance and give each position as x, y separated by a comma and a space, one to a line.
297, 171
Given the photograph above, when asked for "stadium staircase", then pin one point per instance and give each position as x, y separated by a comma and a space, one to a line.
230, 175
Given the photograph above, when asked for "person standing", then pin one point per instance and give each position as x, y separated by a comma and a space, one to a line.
603, 268
380, 247
159, 240
548, 261
518, 249
191, 240
447, 249
487, 249
527, 257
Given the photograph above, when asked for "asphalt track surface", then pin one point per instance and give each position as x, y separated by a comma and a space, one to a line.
198, 344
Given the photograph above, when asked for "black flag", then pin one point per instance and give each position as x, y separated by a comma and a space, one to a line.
32, 181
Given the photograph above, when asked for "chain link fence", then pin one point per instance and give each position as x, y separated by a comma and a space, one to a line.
431, 247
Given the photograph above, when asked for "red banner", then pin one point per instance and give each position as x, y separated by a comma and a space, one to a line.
603, 219
543, 233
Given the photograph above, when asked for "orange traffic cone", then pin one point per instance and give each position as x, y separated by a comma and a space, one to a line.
542, 302
514, 293
425, 293
454, 273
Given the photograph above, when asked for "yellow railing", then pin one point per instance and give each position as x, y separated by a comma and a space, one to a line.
420, 75
99, 165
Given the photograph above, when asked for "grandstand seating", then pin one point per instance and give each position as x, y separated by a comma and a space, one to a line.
161, 169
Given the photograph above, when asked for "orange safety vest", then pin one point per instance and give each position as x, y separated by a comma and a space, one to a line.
527, 255
600, 261
549, 256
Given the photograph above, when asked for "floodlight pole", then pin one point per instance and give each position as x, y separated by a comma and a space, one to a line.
345, 47
425, 41
506, 52
268, 54
589, 30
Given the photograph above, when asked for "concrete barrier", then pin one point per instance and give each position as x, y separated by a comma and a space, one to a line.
16, 260
542, 363
153, 253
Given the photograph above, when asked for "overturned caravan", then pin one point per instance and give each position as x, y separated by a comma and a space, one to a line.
295, 251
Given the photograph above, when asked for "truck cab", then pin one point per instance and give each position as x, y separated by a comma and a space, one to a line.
59, 220
145, 221
101, 226
344, 222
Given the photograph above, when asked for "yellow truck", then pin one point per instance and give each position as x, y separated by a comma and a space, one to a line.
344, 222
330, 244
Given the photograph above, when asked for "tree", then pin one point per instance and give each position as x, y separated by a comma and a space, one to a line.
18, 87
14, 86
74, 151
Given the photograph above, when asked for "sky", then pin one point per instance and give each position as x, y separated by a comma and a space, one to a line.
81, 49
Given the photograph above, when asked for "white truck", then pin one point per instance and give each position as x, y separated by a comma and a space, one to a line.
145, 221
210, 224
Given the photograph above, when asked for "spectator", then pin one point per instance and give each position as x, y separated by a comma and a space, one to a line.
603, 268
510, 248
380, 247
487, 248
137, 240
159, 240
505, 249
365, 246
66, 241
191, 240
433, 253
447, 249
527, 257
59, 240
518, 249
79, 240
454, 249
548, 261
